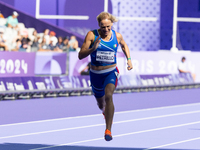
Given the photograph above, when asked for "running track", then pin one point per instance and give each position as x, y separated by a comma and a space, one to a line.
146, 120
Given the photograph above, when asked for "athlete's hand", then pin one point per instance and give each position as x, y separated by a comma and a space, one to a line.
129, 63
96, 43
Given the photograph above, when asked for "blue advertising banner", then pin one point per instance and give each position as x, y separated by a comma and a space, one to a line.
73, 82
28, 83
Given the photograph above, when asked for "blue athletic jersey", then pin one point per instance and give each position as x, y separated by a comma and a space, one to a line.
105, 54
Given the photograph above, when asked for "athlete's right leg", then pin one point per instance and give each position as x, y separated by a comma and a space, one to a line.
101, 103
98, 89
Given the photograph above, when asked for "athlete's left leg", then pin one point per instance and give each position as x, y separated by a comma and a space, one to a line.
109, 110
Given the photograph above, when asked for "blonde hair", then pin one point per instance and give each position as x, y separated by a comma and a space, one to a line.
106, 15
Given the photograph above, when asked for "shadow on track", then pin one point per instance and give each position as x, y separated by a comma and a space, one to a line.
16, 146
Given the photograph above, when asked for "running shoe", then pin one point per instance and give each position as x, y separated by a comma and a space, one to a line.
108, 135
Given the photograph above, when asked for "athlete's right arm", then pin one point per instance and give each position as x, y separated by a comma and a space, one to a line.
85, 50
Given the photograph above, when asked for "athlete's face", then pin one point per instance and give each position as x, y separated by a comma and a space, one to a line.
105, 26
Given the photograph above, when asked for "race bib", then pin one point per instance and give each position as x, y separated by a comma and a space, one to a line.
105, 56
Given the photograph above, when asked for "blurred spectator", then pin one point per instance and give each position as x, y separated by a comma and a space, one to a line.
86, 70
2, 40
73, 44
182, 66
34, 41
45, 35
52, 37
51, 46
18, 36
1, 15
44, 46
12, 20
16, 40
59, 45
34, 36
26, 42
9, 35
18, 45
183, 69
65, 43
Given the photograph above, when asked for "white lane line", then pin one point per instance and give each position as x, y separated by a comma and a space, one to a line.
102, 124
158, 108
120, 135
50, 120
68, 144
179, 142
95, 115
50, 131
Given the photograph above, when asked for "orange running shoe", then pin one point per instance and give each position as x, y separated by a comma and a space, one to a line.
108, 135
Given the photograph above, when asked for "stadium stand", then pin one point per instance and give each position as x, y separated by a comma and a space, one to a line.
34, 41
31, 22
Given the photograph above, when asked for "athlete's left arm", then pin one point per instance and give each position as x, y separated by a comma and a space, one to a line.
125, 49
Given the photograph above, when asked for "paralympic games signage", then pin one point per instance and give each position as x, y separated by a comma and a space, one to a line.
21, 64
17, 64
74, 82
